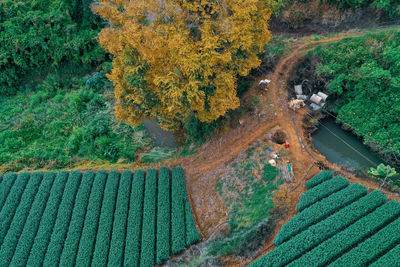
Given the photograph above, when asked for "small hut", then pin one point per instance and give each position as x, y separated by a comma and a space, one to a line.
262, 85
316, 99
323, 96
315, 107
298, 89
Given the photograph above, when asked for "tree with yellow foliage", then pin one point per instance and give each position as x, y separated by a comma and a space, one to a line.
173, 58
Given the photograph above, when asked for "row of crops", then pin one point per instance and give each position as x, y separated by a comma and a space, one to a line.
94, 218
338, 225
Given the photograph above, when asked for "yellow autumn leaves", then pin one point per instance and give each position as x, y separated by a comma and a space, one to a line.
177, 57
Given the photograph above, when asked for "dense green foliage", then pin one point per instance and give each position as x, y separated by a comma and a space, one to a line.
115, 257
16, 227
43, 37
389, 259
89, 231
5, 187
64, 214
163, 216
317, 233
391, 7
321, 191
319, 211
103, 238
42, 239
71, 242
364, 72
370, 249
319, 178
352, 235
31, 226
92, 218
134, 230
148, 243
178, 195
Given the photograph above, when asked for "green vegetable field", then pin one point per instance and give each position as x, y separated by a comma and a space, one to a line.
338, 224
94, 218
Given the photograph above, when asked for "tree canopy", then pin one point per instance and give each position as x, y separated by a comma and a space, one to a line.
175, 58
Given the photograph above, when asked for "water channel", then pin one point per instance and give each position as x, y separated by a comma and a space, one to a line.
342, 147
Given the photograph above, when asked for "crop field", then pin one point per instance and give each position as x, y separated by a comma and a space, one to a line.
94, 218
338, 224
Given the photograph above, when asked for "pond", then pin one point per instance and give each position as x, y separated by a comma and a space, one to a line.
342, 147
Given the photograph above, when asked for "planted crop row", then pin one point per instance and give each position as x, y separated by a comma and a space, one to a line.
48, 219
17, 224
163, 216
5, 187
316, 234
392, 258
71, 243
319, 178
100, 255
134, 229
85, 250
367, 251
319, 211
116, 253
149, 219
55, 246
11, 204
192, 235
321, 191
178, 211
32, 223
338, 244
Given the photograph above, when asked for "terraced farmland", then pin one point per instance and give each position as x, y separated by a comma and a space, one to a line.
338, 225
94, 218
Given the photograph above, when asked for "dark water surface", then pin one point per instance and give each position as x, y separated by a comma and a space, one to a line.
342, 147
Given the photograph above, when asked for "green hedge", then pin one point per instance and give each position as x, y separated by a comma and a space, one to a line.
11, 204
27, 237
149, 219
37, 253
116, 252
351, 236
391, 258
319, 178
134, 229
319, 211
321, 191
21, 214
370, 249
192, 235
178, 210
104, 232
163, 215
89, 232
71, 243
5, 187
316, 234
56, 244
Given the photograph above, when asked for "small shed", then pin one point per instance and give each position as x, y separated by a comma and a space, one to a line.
323, 96
316, 99
315, 107
298, 89
302, 97
262, 85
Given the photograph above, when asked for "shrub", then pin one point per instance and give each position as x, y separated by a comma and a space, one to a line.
38, 250
103, 238
134, 228
18, 221
71, 242
319, 178
316, 234
338, 244
178, 211
279, 137
11, 204
389, 259
27, 237
163, 215
149, 219
321, 191
89, 231
116, 253
60, 229
319, 211
192, 235
5, 187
